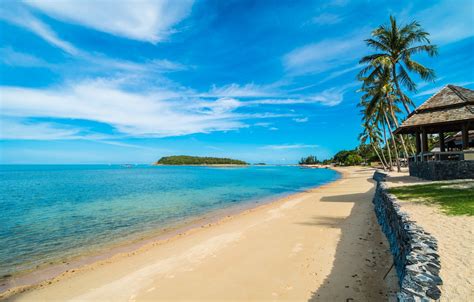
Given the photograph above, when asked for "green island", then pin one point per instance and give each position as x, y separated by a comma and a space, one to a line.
197, 160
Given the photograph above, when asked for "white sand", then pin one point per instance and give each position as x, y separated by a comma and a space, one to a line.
320, 245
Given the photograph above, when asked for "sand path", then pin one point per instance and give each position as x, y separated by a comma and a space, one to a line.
455, 235
320, 245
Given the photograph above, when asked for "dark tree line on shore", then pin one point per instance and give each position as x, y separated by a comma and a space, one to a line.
197, 160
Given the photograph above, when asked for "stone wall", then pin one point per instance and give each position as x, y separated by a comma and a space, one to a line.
442, 170
414, 251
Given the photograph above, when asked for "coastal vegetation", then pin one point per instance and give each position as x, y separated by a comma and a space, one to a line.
363, 154
385, 80
348, 158
309, 160
197, 160
454, 198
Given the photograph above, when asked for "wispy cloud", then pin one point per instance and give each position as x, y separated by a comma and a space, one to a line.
328, 97
236, 90
325, 55
301, 120
438, 88
137, 114
326, 19
283, 147
21, 17
9, 56
458, 16
148, 20
21, 129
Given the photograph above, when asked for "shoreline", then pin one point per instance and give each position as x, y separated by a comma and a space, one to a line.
319, 245
51, 273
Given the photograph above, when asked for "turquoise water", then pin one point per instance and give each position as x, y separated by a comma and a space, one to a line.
50, 213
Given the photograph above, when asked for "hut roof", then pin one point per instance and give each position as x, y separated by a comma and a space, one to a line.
452, 105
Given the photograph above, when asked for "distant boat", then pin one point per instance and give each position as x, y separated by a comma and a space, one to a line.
127, 166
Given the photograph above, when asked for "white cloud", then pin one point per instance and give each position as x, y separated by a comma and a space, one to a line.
144, 20
457, 21
263, 124
11, 57
340, 72
46, 33
218, 106
438, 88
325, 55
22, 18
326, 19
283, 147
236, 90
328, 97
301, 120
19, 129
150, 66
152, 114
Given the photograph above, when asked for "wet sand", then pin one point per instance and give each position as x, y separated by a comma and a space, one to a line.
319, 245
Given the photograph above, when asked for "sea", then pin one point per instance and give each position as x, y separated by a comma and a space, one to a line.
54, 213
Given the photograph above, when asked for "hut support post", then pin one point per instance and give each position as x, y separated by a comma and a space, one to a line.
424, 146
442, 146
418, 144
465, 137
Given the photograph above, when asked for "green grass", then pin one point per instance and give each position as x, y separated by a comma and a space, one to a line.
453, 201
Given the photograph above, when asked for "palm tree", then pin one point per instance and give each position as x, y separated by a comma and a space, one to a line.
380, 86
395, 46
376, 103
373, 135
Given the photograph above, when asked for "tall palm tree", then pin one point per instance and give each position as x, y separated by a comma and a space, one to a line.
381, 89
372, 134
395, 46
376, 103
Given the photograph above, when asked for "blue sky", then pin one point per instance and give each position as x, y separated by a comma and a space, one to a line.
117, 81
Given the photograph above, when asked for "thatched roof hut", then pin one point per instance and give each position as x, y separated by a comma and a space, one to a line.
449, 110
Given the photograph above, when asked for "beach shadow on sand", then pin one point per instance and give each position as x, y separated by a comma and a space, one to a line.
362, 256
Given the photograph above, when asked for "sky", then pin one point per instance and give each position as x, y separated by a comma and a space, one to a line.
263, 81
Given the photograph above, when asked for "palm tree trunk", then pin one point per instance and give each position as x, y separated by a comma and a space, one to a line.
378, 155
393, 142
388, 147
383, 157
396, 124
411, 145
399, 91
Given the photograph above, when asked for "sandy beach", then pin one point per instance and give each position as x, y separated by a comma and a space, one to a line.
320, 245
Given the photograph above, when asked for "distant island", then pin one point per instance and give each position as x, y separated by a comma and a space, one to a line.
197, 160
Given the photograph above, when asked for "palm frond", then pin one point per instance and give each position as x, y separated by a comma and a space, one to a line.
405, 79
425, 73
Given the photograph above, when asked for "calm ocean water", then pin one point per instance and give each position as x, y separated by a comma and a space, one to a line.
52, 213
